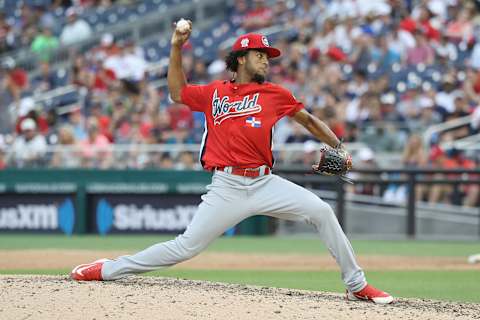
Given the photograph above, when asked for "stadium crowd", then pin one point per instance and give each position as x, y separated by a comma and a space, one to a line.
377, 72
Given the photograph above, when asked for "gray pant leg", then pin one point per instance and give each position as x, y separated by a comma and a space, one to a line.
297, 203
222, 207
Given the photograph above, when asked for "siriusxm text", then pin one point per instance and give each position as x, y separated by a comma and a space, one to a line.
133, 217
29, 217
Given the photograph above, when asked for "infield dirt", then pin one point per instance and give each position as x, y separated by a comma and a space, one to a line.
58, 297
67, 259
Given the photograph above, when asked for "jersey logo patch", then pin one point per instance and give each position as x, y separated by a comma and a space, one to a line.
223, 109
253, 122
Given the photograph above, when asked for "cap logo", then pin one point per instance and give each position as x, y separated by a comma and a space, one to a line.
244, 43
265, 41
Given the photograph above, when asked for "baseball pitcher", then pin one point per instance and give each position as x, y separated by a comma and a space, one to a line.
240, 115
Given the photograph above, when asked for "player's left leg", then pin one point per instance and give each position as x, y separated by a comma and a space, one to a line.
223, 206
286, 200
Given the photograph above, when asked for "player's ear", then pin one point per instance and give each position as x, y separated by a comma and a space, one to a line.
241, 60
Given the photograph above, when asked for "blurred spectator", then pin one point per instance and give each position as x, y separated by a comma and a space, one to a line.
95, 149
44, 44
469, 192
67, 156
103, 120
389, 110
415, 157
28, 149
107, 48
429, 115
440, 193
462, 109
128, 66
445, 49
445, 98
27, 109
6, 98
3, 163
62, 4
239, 12
3, 160
77, 121
7, 36
364, 159
475, 124
15, 81
166, 162
422, 52
76, 30
414, 153
186, 161
26, 25
461, 28
180, 116
471, 85
260, 16
46, 80
310, 153
427, 22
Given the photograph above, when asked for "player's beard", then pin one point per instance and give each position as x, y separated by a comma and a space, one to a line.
258, 78
255, 76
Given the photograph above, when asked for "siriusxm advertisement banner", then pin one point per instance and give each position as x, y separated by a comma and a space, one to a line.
37, 212
141, 213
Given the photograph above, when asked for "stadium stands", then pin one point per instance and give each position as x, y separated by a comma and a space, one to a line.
373, 70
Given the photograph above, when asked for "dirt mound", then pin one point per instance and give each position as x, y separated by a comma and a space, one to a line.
57, 297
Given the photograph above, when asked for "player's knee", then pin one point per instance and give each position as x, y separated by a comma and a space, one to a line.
187, 249
189, 253
321, 212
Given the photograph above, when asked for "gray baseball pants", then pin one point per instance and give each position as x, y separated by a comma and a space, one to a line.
231, 199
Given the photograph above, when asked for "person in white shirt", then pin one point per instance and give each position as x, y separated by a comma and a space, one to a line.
29, 148
76, 30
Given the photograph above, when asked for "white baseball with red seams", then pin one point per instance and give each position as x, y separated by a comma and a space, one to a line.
182, 25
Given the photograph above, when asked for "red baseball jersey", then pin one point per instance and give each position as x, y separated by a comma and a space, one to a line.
239, 121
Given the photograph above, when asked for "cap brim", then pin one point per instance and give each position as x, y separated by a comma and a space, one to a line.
272, 52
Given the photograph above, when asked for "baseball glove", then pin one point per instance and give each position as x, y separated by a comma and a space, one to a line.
334, 161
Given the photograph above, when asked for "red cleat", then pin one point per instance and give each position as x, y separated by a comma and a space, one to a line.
370, 293
88, 271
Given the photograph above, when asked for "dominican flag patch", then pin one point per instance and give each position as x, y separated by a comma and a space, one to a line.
253, 122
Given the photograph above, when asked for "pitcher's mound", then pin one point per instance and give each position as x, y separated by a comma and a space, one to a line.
58, 297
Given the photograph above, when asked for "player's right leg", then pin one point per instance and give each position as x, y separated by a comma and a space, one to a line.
222, 207
293, 202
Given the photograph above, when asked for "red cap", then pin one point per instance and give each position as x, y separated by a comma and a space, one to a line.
255, 41
336, 54
435, 153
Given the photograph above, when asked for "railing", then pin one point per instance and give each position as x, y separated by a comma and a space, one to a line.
411, 178
140, 156
468, 143
435, 129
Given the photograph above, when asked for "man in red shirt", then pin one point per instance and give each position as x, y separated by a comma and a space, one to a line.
240, 115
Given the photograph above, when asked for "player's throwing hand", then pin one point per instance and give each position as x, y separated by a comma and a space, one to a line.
183, 29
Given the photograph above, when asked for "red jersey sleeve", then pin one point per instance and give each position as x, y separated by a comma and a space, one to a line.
195, 97
287, 104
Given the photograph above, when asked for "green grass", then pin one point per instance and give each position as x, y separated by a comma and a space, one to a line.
443, 285
241, 245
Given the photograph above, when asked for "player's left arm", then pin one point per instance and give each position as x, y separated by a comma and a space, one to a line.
316, 127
